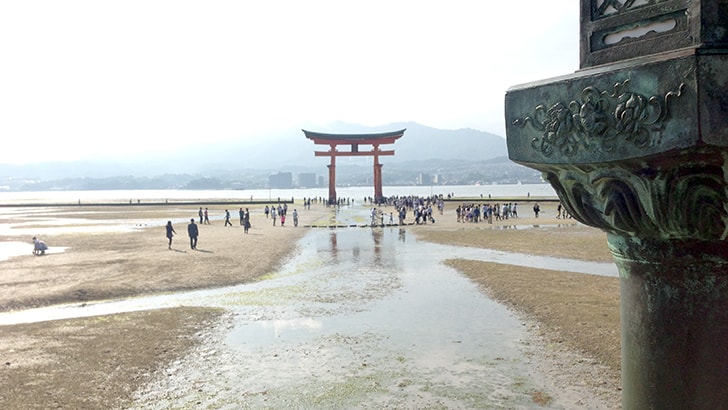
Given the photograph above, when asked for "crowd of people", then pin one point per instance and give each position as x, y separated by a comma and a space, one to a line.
406, 210
193, 230
422, 209
273, 212
486, 212
473, 212
562, 213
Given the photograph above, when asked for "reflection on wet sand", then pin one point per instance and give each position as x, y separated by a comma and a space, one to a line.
391, 326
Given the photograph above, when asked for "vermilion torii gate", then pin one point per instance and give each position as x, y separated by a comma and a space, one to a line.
354, 141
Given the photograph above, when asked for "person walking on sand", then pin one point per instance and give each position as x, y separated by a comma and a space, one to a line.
536, 209
207, 217
283, 219
170, 234
227, 218
193, 232
246, 222
242, 217
273, 215
295, 217
199, 213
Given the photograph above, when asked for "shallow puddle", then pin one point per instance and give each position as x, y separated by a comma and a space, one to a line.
10, 249
44, 221
360, 318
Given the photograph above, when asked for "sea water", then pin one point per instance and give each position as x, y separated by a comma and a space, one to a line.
355, 193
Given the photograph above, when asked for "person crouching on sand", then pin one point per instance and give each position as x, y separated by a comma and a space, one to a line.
39, 247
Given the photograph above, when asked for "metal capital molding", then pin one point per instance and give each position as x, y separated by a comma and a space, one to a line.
636, 150
683, 197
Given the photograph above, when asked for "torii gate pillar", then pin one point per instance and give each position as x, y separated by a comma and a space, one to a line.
332, 179
355, 141
377, 178
636, 143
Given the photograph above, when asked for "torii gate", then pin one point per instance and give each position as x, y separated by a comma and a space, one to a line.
354, 140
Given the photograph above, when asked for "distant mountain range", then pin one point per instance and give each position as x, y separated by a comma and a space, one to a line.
275, 152
292, 149
457, 156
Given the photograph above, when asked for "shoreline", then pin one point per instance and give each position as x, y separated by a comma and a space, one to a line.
254, 202
139, 204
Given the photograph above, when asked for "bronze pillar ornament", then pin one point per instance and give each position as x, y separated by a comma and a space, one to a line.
635, 143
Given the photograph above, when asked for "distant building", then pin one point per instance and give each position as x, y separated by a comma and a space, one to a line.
424, 179
307, 180
281, 180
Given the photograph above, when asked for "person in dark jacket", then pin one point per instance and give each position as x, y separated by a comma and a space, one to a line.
227, 218
193, 232
170, 233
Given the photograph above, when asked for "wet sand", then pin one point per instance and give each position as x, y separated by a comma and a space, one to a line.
116, 253
100, 265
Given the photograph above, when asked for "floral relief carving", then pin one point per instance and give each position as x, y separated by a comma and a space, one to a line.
599, 120
687, 201
608, 7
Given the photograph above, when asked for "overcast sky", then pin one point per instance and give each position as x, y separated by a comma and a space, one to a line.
86, 79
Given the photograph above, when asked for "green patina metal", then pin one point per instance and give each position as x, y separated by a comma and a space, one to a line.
635, 143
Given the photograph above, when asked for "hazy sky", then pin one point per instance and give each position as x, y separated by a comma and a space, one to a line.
82, 79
